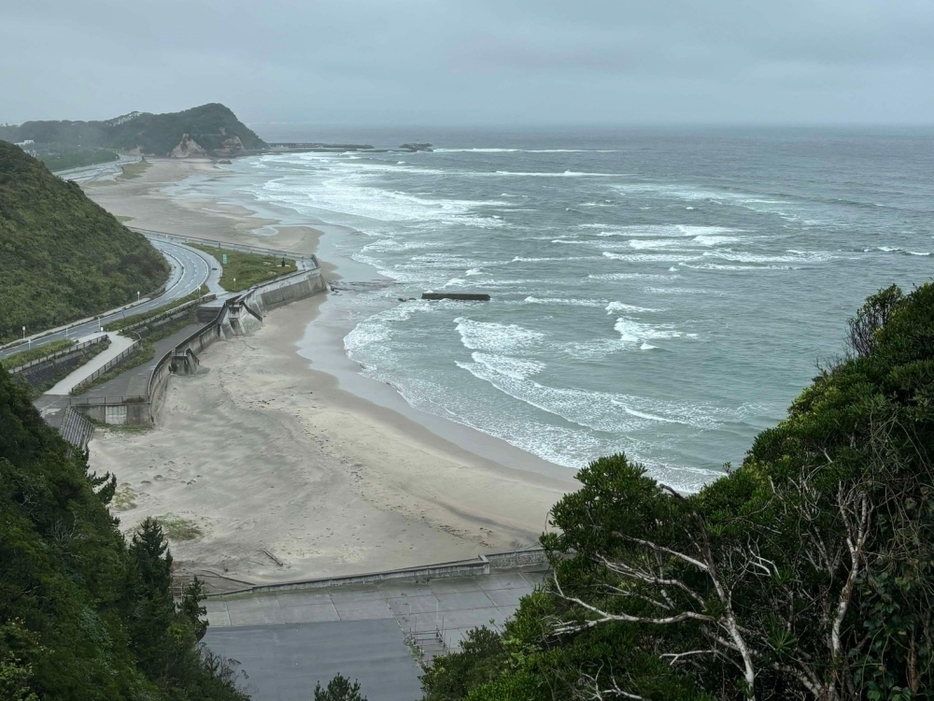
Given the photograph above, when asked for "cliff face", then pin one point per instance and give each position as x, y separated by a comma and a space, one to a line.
211, 129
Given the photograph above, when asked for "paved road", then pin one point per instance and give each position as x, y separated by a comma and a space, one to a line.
107, 171
191, 268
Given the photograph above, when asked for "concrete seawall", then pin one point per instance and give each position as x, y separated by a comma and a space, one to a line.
239, 315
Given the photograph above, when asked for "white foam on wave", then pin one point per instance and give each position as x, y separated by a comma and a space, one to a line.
794, 257
617, 307
563, 174
716, 239
717, 266
675, 291
636, 332
515, 368
631, 276
569, 302
896, 249
654, 244
650, 257
377, 330
692, 194
344, 191
544, 259
495, 338
599, 411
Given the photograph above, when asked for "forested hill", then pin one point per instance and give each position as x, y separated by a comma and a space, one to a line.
211, 129
62, 257
84, 614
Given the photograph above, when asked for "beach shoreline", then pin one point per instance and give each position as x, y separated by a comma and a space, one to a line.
270, 456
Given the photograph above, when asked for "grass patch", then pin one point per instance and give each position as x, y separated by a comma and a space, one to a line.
27, 356
244, 270
124, 498
134, 170
130, 320
122, 218
178, 528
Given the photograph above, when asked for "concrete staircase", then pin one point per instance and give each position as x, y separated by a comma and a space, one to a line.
76, 429
429, 644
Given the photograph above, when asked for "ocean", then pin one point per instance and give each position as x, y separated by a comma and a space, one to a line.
664, 293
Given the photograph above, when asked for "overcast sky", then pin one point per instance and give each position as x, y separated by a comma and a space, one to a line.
472, 62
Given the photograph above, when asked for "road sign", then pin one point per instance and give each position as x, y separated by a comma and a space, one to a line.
224, 259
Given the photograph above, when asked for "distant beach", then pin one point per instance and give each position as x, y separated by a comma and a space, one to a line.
263, 452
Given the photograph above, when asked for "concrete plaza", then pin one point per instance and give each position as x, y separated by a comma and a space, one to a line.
287, 641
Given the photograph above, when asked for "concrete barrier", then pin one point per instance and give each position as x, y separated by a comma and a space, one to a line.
240, 314
479, 566
58, 364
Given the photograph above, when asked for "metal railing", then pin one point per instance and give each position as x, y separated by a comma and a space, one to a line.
109, 365
56, 355
102, 401
245, 248
207, 297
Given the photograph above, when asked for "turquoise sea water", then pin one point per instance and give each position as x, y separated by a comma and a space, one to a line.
662, 293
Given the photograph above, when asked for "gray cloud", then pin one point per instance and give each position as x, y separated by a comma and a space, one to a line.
480, 62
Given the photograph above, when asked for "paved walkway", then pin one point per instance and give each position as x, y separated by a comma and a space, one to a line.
135, 381
286, 641
118, 344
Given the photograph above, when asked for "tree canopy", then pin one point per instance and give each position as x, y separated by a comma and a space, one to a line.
805, 573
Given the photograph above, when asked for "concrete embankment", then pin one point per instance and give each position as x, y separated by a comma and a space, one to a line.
237, 315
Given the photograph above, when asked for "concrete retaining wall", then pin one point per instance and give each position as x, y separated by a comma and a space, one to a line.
116, 412
295, 287
58, 365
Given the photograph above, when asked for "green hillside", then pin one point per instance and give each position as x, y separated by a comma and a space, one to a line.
84, 614
62, 257
214, 128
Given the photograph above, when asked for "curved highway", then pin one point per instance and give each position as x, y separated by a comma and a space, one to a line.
191, 268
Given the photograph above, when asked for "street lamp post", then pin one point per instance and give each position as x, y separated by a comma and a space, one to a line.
137, 296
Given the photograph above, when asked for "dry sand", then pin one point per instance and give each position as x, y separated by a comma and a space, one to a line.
286, 475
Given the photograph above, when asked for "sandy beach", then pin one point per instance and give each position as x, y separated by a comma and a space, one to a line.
286, 475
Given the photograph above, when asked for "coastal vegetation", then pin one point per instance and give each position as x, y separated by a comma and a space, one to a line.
211, 129
77, 158
85, 614
63, 257
805, 573
243, 270
27, 356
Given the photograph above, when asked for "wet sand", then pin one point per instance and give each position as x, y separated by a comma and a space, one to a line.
286, 475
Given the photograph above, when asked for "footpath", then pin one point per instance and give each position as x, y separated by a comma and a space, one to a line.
118, 344
135, 381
